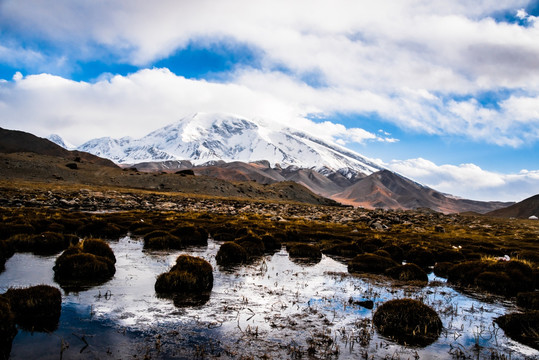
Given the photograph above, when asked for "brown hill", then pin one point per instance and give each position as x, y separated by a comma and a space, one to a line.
386, 189
523, 210
13, 141
27, 158
259, 171
383, 189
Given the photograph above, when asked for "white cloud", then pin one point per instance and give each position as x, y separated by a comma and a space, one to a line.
469, 180
141, 102
402, 60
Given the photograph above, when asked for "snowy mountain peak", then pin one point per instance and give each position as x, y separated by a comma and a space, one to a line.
58, 140
205, 137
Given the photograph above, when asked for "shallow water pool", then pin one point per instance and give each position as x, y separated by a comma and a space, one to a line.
272, 307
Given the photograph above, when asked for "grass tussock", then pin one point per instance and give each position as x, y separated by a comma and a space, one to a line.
407, 272
304, 253
499, 277
36, 308
528, 300
370, 263
522, 327
8, 328
231, 253
82, 265
408, 322
190, 275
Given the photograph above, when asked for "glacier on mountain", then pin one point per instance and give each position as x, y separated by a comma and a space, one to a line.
216, 137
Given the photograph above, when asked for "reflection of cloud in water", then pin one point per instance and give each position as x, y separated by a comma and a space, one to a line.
271, 305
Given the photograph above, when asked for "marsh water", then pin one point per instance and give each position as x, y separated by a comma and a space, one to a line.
270, 308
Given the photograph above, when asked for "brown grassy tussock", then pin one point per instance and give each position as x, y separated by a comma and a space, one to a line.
408, 322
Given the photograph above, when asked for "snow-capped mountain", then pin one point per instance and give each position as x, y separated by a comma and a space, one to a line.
212, 137
58, 140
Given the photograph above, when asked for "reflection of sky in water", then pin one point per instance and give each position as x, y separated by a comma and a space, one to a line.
267, 306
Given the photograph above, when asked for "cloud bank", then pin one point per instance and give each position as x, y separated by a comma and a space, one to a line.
469, 180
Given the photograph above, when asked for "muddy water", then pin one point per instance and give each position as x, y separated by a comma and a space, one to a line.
272, 307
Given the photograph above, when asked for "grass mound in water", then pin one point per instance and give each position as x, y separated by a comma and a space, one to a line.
8, 329
528, 300
36, 308
191, 235
408, 272
98, 247
188, 282
45, 243
408, 322
231, 253
304, 253
253, 244
523, 327
499, 277
162, 240
89, 263
370, 263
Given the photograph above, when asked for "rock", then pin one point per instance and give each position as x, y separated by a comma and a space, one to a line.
439, 229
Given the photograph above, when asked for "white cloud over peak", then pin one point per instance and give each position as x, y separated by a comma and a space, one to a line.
143, 101
469, 180
402, 60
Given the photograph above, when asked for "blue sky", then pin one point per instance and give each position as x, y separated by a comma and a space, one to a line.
444, 92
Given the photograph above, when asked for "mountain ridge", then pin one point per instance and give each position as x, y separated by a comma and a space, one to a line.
213, 137
233, 148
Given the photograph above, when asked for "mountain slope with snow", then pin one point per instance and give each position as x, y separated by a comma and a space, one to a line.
216, 137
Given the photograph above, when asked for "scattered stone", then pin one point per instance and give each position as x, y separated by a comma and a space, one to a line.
439, 229
367, 304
